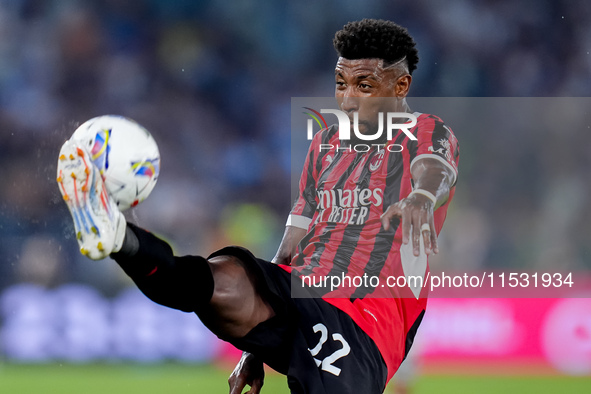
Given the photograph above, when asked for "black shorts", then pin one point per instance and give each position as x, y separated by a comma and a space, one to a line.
318, 346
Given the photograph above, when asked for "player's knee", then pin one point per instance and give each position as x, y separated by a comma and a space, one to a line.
235, 300
232, 283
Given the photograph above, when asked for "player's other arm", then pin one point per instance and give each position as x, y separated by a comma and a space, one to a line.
287, 248
433, 181
303, 210
431, 175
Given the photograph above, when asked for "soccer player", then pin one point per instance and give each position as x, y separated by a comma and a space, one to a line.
372, 214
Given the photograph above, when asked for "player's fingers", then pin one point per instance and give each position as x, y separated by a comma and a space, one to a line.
406, 222
236, 384
434, 246
426, 230
406, 225
392, 212
237, 389
416, 233
256, 386
385, 219
426, 234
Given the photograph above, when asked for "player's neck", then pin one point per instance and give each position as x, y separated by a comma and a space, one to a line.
405, 107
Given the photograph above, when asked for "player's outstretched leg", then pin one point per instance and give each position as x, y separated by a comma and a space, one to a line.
98, 223
220, 291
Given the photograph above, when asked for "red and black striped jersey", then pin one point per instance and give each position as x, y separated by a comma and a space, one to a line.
343, 192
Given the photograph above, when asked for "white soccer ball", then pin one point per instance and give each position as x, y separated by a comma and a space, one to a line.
126, 154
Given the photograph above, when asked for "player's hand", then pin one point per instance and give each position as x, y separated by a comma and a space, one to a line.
416, 213
248, 371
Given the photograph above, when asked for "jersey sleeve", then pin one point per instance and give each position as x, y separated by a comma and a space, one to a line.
436, 140
305, 206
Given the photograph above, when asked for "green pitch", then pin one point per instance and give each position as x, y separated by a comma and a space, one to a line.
121, 379
181, 379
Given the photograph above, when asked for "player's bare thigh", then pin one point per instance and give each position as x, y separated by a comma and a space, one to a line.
236, 306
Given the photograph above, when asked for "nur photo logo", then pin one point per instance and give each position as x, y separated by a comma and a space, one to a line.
387, 123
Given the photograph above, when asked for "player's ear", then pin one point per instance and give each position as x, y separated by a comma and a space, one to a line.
402, 85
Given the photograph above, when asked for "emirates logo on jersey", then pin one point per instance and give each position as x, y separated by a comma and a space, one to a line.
347, 206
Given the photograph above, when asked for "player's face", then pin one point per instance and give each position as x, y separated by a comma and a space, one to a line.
367, 87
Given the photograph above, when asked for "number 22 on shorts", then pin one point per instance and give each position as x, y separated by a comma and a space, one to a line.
326, 363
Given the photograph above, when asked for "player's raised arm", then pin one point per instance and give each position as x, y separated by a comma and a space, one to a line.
304, 208
287, 248
433, 181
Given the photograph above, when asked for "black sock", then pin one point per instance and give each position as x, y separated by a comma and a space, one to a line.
131, 244
184, 283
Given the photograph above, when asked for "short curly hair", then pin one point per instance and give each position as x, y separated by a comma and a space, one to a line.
376, 38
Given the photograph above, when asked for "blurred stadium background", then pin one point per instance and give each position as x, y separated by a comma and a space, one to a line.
213, 81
